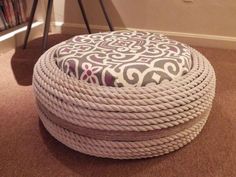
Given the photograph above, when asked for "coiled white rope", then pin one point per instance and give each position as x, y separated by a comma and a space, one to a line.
124, 109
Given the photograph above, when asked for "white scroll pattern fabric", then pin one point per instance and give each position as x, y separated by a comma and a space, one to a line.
123, 58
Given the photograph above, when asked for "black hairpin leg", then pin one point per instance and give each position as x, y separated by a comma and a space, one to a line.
106, 15
84, 16
31, 19
47, 24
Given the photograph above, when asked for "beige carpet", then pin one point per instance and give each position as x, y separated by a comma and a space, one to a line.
26, 149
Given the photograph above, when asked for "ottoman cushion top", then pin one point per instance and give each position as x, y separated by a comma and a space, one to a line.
123, 58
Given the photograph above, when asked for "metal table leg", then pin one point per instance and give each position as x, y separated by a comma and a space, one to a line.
47, 24
48, 17
84, 16
106, 15
31, 19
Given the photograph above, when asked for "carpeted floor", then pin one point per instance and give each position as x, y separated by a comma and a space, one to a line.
27, 150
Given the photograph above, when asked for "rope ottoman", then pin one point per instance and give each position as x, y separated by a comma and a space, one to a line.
123, 94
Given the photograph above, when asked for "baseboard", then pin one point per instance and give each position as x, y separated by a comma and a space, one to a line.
204, 40
14, 38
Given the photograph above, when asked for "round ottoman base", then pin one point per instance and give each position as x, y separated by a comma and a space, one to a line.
123, 122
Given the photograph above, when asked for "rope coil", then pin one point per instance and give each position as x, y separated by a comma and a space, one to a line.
184, 102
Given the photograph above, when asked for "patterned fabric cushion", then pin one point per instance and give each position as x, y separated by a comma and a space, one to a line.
123, 58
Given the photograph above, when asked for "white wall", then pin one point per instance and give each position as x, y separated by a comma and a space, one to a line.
215, 17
